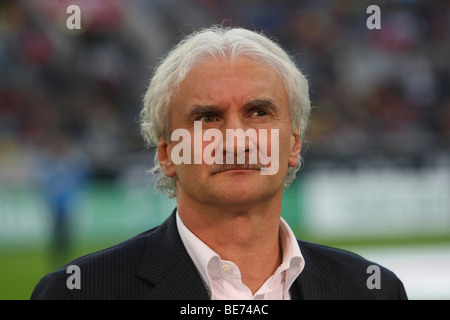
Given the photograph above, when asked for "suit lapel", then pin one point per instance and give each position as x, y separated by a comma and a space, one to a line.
167, 267
319, 279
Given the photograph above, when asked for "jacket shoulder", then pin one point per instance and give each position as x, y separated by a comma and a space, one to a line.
349, 272
95, 270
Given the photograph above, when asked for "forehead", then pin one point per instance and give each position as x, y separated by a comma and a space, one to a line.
226, 83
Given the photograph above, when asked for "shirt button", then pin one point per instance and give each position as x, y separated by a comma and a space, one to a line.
226, 268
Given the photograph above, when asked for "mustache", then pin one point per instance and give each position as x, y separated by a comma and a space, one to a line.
225, 167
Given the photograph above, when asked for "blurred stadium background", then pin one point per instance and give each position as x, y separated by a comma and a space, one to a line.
376, 177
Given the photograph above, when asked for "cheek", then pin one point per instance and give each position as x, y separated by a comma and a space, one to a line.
268, 141
187, 176
281, 143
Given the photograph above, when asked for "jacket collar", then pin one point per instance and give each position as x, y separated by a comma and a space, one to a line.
166, 265
320, 278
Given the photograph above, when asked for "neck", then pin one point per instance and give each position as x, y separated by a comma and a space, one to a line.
247, 236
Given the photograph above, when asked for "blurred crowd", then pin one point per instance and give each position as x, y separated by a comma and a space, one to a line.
380, 97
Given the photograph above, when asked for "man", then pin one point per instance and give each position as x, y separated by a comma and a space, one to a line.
226, 238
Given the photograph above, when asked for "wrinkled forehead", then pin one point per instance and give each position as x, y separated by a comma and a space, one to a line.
225, 82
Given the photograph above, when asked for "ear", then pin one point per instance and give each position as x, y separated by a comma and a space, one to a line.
296, 147
164, 158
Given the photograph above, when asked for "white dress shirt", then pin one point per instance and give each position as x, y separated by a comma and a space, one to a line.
223, 278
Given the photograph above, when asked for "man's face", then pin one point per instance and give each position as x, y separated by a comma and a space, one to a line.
243, 94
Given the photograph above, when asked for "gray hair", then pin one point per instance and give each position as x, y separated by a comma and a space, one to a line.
225, 43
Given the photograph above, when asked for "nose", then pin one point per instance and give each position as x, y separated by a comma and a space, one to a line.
238, 139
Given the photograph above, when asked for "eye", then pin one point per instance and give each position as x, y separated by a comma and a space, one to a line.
208, 117
259, 113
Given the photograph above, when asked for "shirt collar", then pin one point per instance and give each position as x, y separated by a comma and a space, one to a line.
199, 252
293, 261
202, 255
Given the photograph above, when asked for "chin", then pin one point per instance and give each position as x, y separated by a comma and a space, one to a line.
245, 194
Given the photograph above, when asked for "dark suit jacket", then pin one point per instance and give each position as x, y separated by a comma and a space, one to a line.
156, 265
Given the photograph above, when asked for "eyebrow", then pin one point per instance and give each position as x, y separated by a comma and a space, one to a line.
261, 103
202, 109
